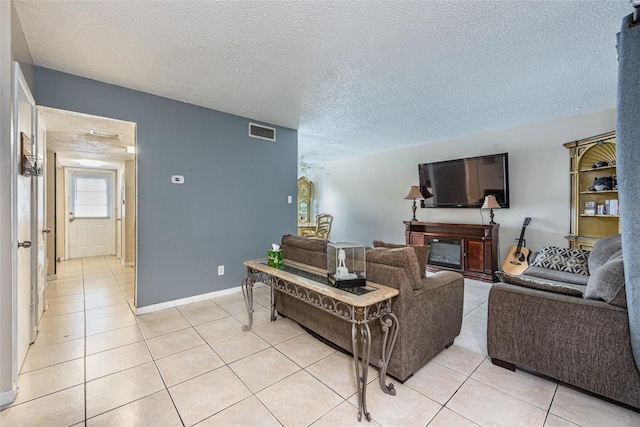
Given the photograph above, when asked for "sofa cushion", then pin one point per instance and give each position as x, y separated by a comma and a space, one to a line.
556, 276
540, 284
602, 251
422, 253
309, 243
563, 259
404, 258
607, 283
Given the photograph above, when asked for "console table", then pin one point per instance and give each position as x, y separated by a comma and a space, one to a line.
469, 249
359, 306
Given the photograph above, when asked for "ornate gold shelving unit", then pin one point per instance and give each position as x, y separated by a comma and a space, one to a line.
586, 228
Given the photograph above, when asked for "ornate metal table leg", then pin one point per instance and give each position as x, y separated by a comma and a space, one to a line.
361, 340
247, 292
390, 329
274, 299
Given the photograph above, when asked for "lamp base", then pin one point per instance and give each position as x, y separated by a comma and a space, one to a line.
491, 221
414, 210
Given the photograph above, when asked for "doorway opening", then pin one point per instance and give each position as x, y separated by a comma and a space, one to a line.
91, 189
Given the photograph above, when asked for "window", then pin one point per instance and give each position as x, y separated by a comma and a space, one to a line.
91, 195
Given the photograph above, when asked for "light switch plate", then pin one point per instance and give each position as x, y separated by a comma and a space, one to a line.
289, 199
177, 179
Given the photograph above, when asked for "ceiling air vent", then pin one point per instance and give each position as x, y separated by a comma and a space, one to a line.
262, 132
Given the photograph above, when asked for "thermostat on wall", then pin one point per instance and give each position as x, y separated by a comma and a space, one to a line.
177, 179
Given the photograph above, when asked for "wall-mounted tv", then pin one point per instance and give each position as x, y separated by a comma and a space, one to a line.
463, 183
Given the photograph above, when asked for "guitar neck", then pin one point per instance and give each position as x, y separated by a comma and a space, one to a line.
527, 220
520, 240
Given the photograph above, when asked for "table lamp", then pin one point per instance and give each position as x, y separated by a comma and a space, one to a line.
414, 193
490, 202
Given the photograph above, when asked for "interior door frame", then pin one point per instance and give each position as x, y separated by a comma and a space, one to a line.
19, 83
68, 172
119, 197
39, 184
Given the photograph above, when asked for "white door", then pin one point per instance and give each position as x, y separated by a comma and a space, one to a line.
40, 264
23, 139
91, 212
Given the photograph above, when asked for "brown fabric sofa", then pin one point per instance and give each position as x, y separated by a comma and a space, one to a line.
560, 333
429, 310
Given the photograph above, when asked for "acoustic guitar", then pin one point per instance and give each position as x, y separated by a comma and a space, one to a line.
516, 261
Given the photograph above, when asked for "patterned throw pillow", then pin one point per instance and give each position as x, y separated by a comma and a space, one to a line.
563, 259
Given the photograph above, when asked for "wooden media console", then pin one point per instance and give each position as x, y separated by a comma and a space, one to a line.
469, 249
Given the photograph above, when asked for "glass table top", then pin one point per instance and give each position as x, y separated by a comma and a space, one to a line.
358, 290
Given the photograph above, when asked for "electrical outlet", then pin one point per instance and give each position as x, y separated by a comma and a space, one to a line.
289, 199
220, 270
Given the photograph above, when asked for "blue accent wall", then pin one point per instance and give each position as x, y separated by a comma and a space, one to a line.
233, 203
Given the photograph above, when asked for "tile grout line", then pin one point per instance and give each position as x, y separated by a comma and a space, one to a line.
148, 349
84, 302
158, 368
555, 391
85, 337
509, 394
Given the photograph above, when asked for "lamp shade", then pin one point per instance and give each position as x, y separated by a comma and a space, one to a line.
414, 193
490, 202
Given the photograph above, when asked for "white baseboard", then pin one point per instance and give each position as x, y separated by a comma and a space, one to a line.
52, 277
8, 396
127, 264
189, 300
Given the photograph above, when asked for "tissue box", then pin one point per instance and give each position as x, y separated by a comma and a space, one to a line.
275, 258
346, 266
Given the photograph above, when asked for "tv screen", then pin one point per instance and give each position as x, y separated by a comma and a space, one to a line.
463, 183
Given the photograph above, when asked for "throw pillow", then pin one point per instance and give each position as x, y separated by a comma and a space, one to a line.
607, 283
602, 251
563, 259
422, 253
540, 285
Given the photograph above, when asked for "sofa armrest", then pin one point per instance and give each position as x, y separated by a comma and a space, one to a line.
557, 276
582, 342
438, 279
391, 276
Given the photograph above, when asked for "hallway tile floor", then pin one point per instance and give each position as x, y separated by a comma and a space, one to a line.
95, 363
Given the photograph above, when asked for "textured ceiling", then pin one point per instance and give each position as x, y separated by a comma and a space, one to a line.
352, 77
68, 134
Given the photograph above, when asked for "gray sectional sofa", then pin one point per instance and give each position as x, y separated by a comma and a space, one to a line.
568, 325
429, 309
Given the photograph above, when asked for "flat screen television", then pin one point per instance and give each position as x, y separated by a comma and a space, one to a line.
463, 183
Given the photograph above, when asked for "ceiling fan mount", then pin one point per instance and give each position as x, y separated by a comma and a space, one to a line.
304, 167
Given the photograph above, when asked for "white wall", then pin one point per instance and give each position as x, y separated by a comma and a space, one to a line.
366, 194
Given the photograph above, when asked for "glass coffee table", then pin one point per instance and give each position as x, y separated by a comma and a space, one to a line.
359, 306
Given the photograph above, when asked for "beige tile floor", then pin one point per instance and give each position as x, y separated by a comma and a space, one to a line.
95, 363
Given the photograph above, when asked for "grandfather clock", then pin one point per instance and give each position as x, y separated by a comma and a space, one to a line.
305, 188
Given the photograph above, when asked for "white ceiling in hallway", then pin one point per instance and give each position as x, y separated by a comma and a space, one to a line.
69, 135
352, 77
